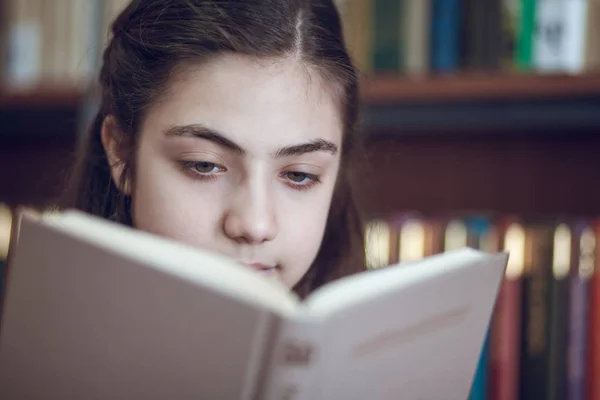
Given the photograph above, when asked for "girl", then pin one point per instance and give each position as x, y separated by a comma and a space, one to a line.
230, 125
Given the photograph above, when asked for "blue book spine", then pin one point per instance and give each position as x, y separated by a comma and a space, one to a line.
445, 35
479, 227
479, 387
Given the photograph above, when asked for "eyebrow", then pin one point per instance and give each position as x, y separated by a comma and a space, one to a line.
310, 147
202, 132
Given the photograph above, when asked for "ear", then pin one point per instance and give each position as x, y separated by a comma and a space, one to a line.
113, 140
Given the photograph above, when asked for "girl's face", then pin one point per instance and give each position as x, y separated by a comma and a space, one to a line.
241, 157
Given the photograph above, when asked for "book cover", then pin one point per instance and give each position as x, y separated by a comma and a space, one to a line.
558, 312
525, 34
535, 339
387, 52
482, 34
159, 331
415, 36
457, 235
479, 388
583, 260
357, 17
445, 35
592, 37
593, 358
510, 28
482, 235
378, 243
560, 35
473, 34
493, 51
418, 236
505, 352
24, 44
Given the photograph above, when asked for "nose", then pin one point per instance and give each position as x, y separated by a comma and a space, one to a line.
251, 217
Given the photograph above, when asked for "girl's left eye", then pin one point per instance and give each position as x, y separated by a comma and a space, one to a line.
205, 167
300, 179
296, 177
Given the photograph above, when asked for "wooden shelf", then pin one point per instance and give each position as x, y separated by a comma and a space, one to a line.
482, 105
40, 97
388, 89
543, 176
385, 89
40, 113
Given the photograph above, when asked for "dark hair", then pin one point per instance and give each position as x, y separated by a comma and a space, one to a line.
151, 38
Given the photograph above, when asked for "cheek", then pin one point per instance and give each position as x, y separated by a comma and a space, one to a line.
301, 233
166, 203
305, 235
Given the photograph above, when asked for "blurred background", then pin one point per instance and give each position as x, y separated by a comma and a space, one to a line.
481, 122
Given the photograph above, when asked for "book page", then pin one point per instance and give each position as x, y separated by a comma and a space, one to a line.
356, 289
396, 345
81, 321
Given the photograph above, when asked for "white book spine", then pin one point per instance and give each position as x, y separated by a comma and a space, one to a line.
59, 68
23, 67
560, 37
575, 37
416, 31
294, 364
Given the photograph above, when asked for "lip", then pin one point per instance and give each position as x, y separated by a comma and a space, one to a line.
259, 266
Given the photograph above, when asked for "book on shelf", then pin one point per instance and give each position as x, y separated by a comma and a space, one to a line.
418, 37
563, 39
505, 338
543, 340
93, 308
54, 43
582, 269
60, 42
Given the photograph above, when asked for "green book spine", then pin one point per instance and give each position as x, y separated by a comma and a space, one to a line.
387, 47
526, 34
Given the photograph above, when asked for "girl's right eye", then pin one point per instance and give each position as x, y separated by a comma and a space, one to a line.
205, 167
202, 169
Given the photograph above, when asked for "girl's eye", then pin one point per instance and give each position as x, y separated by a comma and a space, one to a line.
300, 180
296, 177
204, 167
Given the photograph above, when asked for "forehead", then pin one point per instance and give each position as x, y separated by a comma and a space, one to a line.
255, 102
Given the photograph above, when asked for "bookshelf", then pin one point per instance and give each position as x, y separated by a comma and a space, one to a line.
389, 88
514, 174
40, 97
453, 130
39, 113
38, 136
505, 143
522, 144
483, 104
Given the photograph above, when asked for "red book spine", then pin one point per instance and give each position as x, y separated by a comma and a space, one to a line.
506, 342
593, 377
593, 370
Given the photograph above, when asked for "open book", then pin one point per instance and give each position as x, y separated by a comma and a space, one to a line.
93, 309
